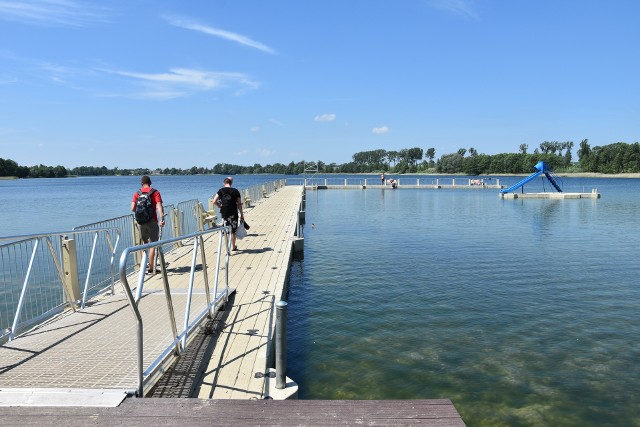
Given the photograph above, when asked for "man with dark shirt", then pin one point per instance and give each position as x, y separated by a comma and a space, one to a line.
229, 201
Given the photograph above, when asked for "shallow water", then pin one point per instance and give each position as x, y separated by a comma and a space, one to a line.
522, 312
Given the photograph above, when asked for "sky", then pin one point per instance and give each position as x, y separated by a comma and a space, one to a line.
162, 84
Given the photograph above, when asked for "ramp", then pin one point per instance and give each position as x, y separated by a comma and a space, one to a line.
107, 398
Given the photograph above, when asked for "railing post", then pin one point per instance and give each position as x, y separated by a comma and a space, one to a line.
175, 220
200, 215
137, 239
247, 198
70, 263
281, 345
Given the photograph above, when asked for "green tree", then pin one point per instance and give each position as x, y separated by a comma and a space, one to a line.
431, 154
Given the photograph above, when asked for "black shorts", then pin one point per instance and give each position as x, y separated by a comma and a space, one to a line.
150, 231
232, 221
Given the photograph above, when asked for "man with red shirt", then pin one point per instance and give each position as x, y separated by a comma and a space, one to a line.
150, 231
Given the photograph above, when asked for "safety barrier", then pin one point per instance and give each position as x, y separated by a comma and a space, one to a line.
404, 181
42, 274
215, 299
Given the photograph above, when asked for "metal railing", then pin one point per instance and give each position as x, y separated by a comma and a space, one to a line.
123, 223
184, 218
408, 181
42, 274
214, 298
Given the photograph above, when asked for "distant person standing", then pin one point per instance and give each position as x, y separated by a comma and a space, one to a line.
147, 208
229, 201
382, 179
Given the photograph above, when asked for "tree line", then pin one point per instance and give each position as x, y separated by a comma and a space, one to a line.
619, 157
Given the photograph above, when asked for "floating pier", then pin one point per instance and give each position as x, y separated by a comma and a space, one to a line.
402, 182
548, 195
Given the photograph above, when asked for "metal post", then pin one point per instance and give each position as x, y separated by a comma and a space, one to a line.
281, 345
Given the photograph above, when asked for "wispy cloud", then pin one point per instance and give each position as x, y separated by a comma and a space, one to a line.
68, 13
265, 152
325, 118
381, 129
217, 32
6, 80
180, 82
254, 129
276, 122
464, 8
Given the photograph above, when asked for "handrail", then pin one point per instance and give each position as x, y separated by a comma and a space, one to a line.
178, 345
420, 181
46, 268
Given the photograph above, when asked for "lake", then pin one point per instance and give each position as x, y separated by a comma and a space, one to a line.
522, 312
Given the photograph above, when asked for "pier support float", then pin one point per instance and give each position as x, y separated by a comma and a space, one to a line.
298, 245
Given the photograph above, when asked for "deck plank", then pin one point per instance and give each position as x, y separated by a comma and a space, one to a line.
199, 412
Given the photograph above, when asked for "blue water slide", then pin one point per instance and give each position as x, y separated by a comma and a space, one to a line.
541, 168
521, 183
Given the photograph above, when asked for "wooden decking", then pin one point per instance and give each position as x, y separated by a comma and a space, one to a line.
198, 412
48, 372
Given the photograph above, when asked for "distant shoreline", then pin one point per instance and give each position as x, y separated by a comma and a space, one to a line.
561, 174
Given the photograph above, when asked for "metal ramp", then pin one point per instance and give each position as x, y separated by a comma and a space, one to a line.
105, 398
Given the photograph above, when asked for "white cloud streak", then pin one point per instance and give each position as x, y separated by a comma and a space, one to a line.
265, 152
180, 82
382, 129
464, 8
6, 80
216, 32
68, 13
325, 118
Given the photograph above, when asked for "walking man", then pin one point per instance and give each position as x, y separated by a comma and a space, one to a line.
147, 206
229, 201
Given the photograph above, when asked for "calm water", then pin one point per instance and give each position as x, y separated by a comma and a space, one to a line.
522, 312
44, 205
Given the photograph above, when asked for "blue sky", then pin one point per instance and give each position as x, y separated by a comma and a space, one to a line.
158, 83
